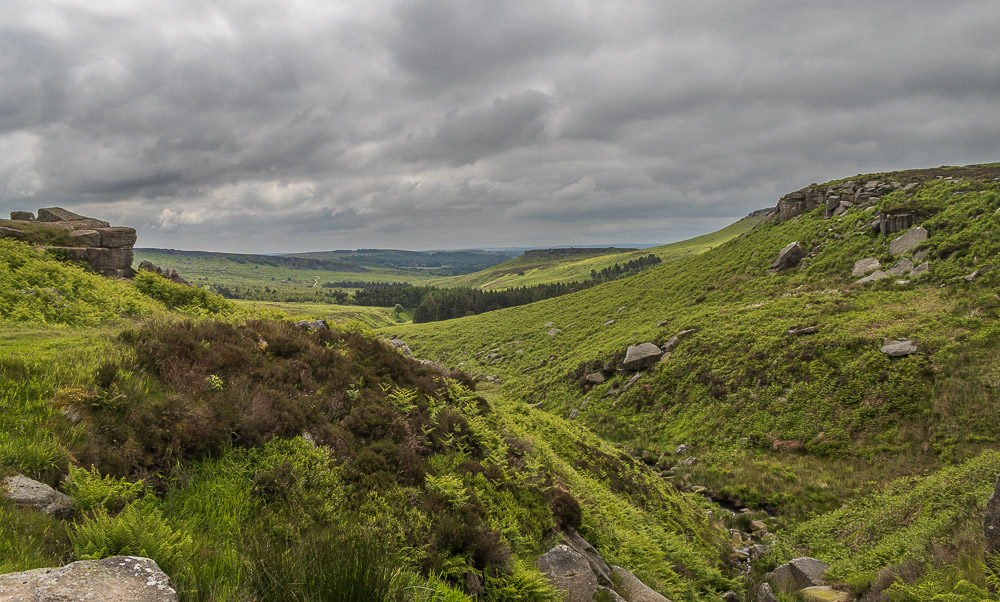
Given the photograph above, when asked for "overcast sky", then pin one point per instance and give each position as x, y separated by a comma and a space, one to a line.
264, 126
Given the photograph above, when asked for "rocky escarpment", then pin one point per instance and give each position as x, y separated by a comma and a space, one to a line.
836, 198
105, 248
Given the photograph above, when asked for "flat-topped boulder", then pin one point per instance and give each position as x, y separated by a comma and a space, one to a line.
641, 356
58, 215
31, 494
109, 580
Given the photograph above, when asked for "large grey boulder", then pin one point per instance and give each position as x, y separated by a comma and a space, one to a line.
641, 356
568, 570
22, 216
865, 266
876, 275
898, 347
991, 522
908, 241
601, 569
632, 589
30, 493
788, 257
313, 325
114, 579
57, 216
798, 574
117, 236
766, 594
86, 238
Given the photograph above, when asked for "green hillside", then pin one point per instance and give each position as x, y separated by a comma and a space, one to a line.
791, 425
241, 452
543, 267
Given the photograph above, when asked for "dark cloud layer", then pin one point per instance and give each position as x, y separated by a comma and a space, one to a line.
260, 126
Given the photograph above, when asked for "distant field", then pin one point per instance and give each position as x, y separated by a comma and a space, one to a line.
532, 269
219, 269
373, 317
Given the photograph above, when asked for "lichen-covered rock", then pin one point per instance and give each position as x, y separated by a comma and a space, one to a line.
876, 275
30, 493
865, 266
898, 347
117, 236
908, 241
601, 569
568, 570
766, 594
641, 356
632, 589
112, 579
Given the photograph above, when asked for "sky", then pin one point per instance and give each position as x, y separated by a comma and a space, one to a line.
264, 126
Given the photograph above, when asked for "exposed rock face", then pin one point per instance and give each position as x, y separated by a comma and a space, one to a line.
108, 250
569, 571
11, 233
991, 522
876, 275
634, 590
601, 569
865, 266
109, 580
908, 241
170, 273
766, 594
902, 266
898, 347
26, 492
641, 356
798, 574
401, 345
789, 257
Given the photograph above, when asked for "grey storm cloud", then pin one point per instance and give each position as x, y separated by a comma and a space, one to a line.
259, 126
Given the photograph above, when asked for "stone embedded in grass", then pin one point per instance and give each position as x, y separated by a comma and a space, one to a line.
682, 449
865, 266
797, 332
876, 275
898, 347
766, 594
313, 325
902, 266
30, 493
632, 588
670, 344
908, 241
553, 332
595, 378
920, 269
401, 346
116, 578
609, 322
641, 356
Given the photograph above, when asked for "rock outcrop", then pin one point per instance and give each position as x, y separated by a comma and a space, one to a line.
835, 199
908, 241
107, 249
580, 572
170, 273
109, 580
797, 575
30, 493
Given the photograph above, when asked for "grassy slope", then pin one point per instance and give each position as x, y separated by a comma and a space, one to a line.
792, 424
196, 502
523, 271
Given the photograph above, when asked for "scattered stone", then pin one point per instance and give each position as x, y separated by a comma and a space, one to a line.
758, 551
757, 525
641, 356
991, 521
864, 266
609, 322
313, 325
401, 346
595, 378
574, 413
788, 257
433, 366
22, 216
971, 277
797, 332
670, 344
549, 324
109, 580
553, 332
621, 309
898, 347
631, 382
631, 588
689, 461
920, 269
687, 332
30, 493
730, 596
902, 266
765, 594
682, 449
662, 324
908, 241
876, 275
824, 593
